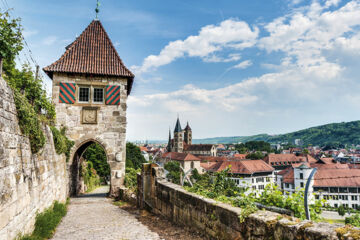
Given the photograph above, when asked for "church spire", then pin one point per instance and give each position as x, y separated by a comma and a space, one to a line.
169, 142
178, 126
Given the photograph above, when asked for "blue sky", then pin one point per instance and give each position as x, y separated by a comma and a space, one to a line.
228, 67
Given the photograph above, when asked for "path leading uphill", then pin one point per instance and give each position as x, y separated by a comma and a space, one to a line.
93, 216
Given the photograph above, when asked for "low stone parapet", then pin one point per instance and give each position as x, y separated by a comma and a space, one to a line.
222, 221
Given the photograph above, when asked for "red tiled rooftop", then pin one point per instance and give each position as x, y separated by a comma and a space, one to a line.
92, 53
180, 156
243, 167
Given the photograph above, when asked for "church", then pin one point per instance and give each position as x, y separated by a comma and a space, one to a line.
182, 142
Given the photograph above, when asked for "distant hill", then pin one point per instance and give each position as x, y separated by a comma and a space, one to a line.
342, 133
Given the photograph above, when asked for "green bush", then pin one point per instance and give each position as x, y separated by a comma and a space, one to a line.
47, 221
131, 178
341, 210
173, 169
91, 179
29, 122
61, 142
353, 220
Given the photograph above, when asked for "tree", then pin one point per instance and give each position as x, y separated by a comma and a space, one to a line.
255, 156
134, 158
173, 168
95, 154
10, 37
341, 210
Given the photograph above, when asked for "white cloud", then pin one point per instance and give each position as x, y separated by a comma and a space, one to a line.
28, 34
243, 64
311, 83
50, 40
211, 39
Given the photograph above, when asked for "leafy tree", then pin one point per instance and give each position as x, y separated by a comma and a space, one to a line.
255, 156
95, 154
341, 210
10, 37
134, 158
173, 169
131, 178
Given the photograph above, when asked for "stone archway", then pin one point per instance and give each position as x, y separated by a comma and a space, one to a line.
114, 156
75, 166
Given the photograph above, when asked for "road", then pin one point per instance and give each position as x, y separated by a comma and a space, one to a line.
93, 216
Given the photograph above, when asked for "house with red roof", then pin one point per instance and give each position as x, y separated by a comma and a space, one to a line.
187, 160
337, 183
255, 174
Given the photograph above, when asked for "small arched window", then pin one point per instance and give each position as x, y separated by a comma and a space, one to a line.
192, 164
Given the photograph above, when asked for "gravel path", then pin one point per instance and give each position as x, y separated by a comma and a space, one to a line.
93, 216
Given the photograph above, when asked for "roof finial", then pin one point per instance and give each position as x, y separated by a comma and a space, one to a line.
97, 10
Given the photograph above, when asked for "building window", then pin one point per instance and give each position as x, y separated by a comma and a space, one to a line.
192, 164
301, 184
261, 187
317, 197
301, 176
267, 179
98, 95
354, 198
335, 205
84, 94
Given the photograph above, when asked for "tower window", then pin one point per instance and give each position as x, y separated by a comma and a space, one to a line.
301, 176
84, 94
98, 95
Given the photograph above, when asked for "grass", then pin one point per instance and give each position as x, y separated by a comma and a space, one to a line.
342, 221
47, 221
119, 203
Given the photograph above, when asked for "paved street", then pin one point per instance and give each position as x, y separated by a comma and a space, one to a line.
93, 216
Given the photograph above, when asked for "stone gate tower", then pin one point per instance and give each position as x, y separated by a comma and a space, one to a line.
89, 90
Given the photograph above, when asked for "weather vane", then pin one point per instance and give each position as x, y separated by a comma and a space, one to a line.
97, 10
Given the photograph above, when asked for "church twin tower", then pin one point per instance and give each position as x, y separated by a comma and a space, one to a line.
182, 138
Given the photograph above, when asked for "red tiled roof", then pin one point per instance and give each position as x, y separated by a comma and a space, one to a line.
337, 178
180, 156
212, 159
92, 53
243, 167
240, 156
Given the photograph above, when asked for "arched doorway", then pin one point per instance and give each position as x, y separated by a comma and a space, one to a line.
89, 160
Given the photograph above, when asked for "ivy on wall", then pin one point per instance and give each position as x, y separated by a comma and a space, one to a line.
61, 142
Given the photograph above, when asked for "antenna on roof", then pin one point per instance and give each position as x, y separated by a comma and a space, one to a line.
97, 10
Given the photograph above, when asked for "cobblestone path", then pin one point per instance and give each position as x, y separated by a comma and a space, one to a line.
93, 216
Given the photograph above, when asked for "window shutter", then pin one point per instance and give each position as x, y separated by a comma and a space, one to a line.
112, 95
67, 93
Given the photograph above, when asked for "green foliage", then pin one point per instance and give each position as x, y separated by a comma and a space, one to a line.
341, 210
61, 142
91, 179
10, 37
253, 146
221, 188
333, 135
134, 158
31, 102
255, 156
173, 169
95, 154
47, 221
131, 178
353, 220
29, 122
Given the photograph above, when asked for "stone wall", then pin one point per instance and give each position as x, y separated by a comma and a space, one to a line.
110, 127
221, 221
29, 183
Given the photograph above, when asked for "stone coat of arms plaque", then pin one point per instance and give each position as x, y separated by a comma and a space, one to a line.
89, 115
